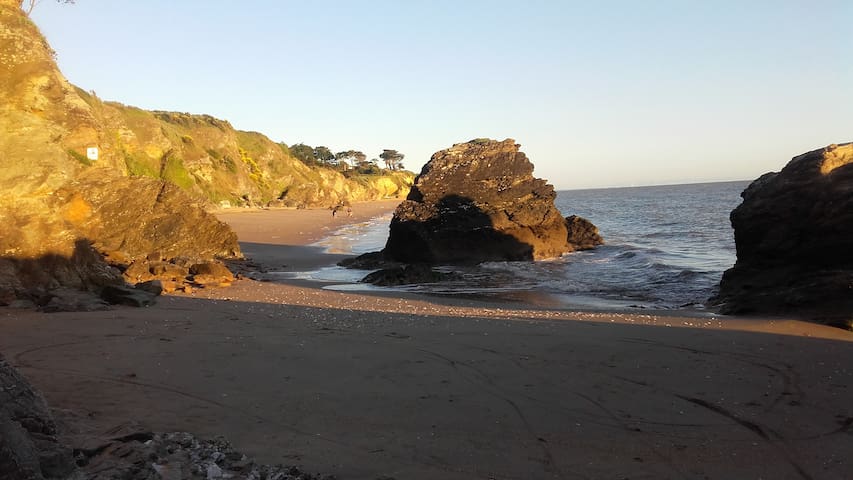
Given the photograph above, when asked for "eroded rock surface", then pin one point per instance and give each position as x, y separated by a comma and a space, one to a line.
582, 234
29, 449
130, 452
794, 232
478, 201
35, 446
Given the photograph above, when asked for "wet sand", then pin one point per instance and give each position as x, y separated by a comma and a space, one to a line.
368, 386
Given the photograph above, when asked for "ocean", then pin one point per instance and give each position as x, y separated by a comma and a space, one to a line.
666, 248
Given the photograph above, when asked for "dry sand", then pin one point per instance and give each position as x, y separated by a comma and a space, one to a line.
367, 386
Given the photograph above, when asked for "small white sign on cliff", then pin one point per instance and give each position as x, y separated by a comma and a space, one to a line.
92, 153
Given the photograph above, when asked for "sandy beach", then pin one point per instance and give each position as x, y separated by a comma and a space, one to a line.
370, 386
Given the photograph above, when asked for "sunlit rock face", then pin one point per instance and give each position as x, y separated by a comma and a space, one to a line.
61, 211
478, 201
794, 238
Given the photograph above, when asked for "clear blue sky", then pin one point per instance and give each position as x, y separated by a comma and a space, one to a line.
598, 93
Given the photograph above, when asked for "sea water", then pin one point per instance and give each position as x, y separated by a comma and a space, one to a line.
666, 247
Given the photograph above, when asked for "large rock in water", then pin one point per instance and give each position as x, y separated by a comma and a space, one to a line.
62, 213
794, 238
476, 202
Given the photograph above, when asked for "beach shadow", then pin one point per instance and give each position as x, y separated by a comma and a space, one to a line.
335, 388
85, 269
459, 233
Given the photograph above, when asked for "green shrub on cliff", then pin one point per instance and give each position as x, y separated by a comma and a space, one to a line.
139, 166
79, 157
175, 172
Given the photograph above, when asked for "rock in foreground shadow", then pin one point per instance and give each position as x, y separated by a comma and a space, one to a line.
35, 446
478, 201
793, 234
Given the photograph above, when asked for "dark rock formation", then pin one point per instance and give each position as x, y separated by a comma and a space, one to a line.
417, 273
369, 261
32, 447
29, 449
39, 278
476, 202
582, 234
130, 452
793, 234
130, 296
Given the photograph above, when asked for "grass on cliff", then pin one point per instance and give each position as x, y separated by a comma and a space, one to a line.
80, 157
139, 165
174, 171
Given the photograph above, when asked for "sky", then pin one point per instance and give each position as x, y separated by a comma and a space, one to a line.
598, 93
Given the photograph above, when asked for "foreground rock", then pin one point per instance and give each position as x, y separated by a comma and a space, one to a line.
793, 235
476, 202
32, 447
29, 449
130, 452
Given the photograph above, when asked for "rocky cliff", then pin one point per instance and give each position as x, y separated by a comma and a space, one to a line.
793, 235
201, 154
86, 181
62, 213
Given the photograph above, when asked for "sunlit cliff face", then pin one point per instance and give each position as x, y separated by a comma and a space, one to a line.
836, 156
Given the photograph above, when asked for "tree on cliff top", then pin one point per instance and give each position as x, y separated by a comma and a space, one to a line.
28, 5
393, 159
323, 155
304, 153
351, 157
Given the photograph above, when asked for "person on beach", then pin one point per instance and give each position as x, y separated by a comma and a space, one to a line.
349, 211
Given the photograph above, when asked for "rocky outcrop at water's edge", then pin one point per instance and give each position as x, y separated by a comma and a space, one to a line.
479, 201
793, 236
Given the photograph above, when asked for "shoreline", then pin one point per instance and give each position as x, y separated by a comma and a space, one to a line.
367, 386
293, 250
291, 226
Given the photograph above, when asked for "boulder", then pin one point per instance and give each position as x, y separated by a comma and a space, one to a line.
582, 234
29, 448
417, 273
40, 278
793, 235
130, 296
154, 287
211, 274
476, 202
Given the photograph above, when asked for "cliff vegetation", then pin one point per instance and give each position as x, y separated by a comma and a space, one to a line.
208, 157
